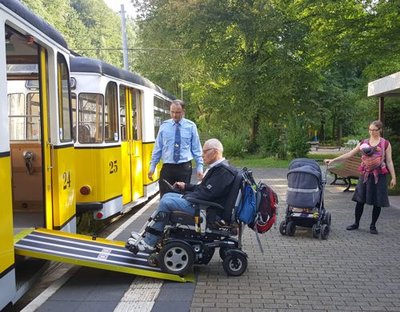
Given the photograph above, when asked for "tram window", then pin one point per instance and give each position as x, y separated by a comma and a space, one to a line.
137, 99
110, 113
64, 104
160, 114
90, 118
33, 116
16, 113
122, 113
24, 116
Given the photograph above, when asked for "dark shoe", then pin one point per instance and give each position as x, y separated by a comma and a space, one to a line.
352, 227
373, 230
136, 246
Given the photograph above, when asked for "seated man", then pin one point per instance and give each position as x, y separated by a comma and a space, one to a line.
214, 187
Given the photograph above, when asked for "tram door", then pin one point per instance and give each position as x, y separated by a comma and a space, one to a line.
24, 108
132, 164
35, 162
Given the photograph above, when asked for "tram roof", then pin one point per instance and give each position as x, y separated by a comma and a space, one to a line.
22, 11
385, 86
90, 65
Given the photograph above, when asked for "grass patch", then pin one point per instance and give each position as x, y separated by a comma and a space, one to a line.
256, 161
321, 157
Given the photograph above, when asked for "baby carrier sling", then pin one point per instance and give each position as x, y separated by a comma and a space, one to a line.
373, 159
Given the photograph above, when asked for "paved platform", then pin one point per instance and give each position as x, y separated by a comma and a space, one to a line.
350, 271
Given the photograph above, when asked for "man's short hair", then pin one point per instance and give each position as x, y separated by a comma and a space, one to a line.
179, 102
214, 143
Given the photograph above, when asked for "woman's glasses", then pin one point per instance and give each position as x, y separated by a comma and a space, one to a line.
373, 129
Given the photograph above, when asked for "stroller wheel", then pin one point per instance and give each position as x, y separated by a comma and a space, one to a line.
290, 228
327, 218
235, 262
325, 229
282, 228
316, 230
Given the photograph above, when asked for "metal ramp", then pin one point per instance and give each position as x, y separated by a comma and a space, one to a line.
88, 251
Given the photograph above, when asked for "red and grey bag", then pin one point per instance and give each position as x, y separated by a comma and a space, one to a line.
266, 205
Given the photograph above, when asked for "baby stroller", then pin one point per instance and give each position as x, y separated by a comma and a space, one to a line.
305, 202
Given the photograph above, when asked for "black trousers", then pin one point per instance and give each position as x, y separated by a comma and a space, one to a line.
174, 173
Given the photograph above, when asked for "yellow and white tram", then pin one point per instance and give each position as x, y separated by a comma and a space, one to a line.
58, 148
116, 114
36, 146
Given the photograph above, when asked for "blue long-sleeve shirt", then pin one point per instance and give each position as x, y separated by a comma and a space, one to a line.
190, 144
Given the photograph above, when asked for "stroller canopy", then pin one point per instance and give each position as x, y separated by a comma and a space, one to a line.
304, 183
306, 165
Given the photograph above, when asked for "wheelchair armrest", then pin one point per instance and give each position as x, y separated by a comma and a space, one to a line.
204, 203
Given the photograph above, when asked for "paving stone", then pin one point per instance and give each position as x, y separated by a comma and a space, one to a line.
350, 271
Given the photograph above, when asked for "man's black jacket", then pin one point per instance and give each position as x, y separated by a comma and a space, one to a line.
215, 185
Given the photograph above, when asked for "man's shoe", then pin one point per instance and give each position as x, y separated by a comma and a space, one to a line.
135, 246
144, 247
352, 227
135, 235
373, 230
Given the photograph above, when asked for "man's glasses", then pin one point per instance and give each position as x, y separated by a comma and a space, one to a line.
206, 150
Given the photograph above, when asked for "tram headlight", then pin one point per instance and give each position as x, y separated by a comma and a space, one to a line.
85, 190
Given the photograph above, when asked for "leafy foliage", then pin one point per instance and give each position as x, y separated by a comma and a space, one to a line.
245, 67
89, 26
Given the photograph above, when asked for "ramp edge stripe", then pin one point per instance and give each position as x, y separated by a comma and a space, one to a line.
20, 244
75, 240
79, 236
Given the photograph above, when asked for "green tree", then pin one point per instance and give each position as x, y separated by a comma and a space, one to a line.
245, 64
90, 28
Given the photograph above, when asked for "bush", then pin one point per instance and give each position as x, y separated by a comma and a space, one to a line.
271, 141
297, 137
234, 144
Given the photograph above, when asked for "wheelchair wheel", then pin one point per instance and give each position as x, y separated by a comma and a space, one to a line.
176, 258
235, 263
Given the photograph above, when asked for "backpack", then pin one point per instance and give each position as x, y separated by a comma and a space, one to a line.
258, 206
267, 202
246, 211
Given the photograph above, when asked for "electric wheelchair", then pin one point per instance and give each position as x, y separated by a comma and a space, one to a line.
189, 240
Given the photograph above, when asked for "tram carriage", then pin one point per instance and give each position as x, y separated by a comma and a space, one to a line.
57, 154
116, 116
37, 171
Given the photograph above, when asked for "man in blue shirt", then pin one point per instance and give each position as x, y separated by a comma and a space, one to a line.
214, 187
177, 143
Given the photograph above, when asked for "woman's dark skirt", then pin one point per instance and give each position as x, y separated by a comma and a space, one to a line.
370, 193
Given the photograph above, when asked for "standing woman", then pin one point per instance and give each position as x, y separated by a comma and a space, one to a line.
376, 163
